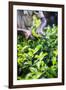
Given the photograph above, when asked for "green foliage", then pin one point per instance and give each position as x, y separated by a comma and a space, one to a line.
38, 58
34, 33
36, 21
36, 24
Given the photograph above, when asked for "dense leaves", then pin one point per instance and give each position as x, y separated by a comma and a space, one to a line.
38, 58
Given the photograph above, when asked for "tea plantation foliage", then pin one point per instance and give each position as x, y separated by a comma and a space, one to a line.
38, 58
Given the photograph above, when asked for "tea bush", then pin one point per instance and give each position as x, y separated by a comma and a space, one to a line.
38, 58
